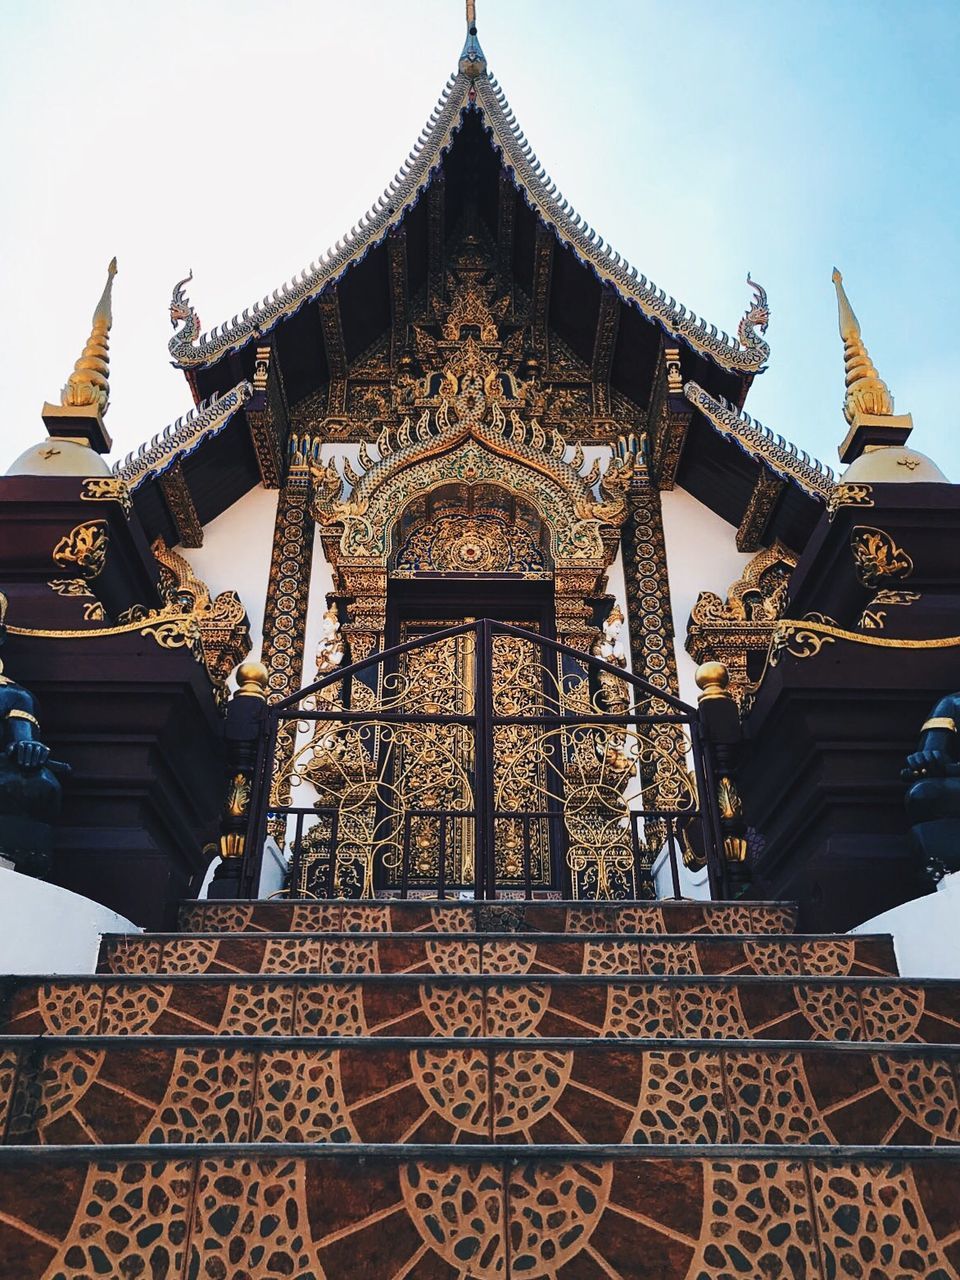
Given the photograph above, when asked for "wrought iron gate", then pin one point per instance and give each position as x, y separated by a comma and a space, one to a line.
482, 760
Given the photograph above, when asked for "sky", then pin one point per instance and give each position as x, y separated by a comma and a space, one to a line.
702, 140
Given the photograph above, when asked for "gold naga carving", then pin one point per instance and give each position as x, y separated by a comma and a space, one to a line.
219, 623
84, 549
222, 620
737, 631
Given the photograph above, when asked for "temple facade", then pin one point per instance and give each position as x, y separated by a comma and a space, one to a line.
468, 602
473, 407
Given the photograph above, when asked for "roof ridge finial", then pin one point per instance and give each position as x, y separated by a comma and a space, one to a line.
868, 404
473, 64
89, 384
866, 390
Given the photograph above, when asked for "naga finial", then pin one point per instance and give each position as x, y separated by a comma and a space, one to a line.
183, 313
89, 384
866, 390
756, 317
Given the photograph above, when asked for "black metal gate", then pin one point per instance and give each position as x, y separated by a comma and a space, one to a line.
499, 774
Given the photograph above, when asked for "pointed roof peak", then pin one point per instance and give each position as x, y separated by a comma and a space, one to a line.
866, 390
474, 88
85, 397
473, 63
868, 404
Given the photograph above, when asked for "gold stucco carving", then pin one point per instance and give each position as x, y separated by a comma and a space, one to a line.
737, 631
878, 558
84, 549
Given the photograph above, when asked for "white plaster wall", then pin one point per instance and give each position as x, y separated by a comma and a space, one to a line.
925, 932
236, 552
702, 555
693, 884
273, 870
46, 929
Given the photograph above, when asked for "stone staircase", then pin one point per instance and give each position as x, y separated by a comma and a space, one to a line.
447, 1090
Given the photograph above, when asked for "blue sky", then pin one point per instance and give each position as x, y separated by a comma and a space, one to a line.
701, 140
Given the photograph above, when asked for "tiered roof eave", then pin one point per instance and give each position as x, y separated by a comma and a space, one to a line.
192, 350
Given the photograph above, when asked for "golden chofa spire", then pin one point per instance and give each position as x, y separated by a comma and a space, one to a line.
868, 404
86, 397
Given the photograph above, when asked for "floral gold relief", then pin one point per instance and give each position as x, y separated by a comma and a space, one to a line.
877, 557
84, 549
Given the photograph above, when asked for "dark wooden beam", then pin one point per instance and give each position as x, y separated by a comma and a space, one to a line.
399, 295
266, 417
506, 219
332, 325
436, 201
756, 517
542, 282
669, 417
177, 496
604, 342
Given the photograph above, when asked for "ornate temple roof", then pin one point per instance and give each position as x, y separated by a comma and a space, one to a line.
473, 89
614, 352
181, 438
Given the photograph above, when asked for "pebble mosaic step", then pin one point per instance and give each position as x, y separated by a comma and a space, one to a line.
765, 1008
457, 1091
502, 916
560, 1214
440, 953
131, 1090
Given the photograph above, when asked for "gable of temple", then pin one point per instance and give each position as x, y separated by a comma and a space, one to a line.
470, 407
472, 331
473, 206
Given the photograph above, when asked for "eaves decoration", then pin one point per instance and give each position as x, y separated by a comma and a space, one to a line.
472, 90
181, 438
785, 459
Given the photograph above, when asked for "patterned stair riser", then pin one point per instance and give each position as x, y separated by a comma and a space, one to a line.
466, 954
711, 1008
156, 1092
489, 917
262, 1215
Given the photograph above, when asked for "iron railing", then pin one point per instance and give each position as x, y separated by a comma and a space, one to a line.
483, 760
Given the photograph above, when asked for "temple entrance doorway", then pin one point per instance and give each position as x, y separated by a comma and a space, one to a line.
437, 774
462, 552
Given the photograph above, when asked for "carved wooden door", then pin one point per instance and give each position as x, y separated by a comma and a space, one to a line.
434, 788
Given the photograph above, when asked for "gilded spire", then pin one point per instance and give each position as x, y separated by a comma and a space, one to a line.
866, 390
84, 399
89, 384
471, 13
868, 404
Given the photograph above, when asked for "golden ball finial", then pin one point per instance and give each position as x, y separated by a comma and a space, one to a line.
712, 680
252, 679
